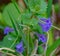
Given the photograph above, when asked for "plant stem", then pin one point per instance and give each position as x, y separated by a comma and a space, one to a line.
46, 44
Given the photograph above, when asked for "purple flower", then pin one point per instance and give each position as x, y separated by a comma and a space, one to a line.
7, 30
41, 37
19, 47
46, 25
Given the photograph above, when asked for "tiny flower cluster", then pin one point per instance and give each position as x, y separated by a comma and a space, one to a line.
41, 37
45, 25
19, 47
7, 30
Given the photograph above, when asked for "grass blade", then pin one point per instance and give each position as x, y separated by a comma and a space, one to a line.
49, 8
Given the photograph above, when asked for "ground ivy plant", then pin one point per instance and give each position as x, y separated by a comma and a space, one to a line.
28, 31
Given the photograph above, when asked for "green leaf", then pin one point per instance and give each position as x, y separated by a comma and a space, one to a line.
53, 47
0, 16
26, 2
56, 7
7, 41
26, 17
6, 17
1, 21
38, 29
14, 11
33, 21
37, 6
49, 8
40, 50
13, 23
12, 8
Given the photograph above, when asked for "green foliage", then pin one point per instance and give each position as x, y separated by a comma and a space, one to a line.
37, 6
26, 17
50, 37
7, 41
53, 47
13, 17
11, 7
40, 50
0, 16
1, 21
49, 8
56, 7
